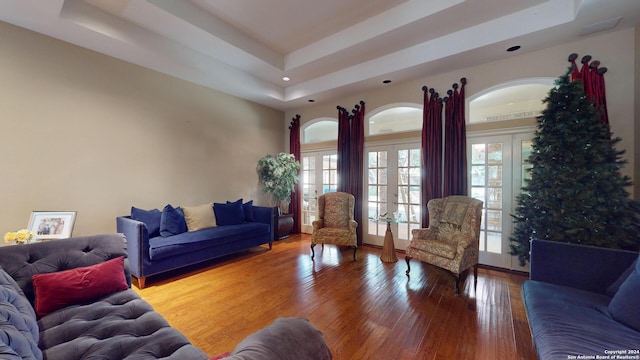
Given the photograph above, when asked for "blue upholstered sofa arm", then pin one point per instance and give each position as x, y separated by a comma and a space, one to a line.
137, 237
578, 266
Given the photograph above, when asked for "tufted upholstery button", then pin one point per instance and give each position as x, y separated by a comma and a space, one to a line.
87, 249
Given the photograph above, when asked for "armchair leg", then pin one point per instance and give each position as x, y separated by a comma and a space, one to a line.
354, 253
407, 258
475, 276
312, 252
457, 283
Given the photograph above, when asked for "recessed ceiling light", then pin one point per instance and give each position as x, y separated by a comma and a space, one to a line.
286, 78
386, 81
513, 48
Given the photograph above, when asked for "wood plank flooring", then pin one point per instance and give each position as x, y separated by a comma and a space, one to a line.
366, 309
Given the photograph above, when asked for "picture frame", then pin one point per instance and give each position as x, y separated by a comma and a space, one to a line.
48, 225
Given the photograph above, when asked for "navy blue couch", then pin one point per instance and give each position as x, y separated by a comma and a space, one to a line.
569, 296
151, 256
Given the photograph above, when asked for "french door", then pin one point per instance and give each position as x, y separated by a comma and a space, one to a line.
319, 175
497, 170
392, 175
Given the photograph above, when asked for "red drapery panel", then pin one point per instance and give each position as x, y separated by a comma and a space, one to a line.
356, 164
351, 157
344, 132
294, 148
455, 143
592, 78
431, 150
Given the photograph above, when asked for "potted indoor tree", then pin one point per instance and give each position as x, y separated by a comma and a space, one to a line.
279, 176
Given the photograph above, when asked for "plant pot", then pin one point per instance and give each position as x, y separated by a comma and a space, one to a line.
283, 226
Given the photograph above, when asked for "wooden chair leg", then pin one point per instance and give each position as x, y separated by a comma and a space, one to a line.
457, 276
407, 258
312, 252
475, 276
354, 253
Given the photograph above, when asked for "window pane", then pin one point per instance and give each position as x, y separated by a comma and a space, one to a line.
478, 153
524, 101
396, 119
495, 153
477, 175
325, 130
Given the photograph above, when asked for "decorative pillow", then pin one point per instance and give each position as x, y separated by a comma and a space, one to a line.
247, 208
613, 288
172, 221
248, 211
624, 304
229, 214
151, 218
199, 217
60, 289
221, 356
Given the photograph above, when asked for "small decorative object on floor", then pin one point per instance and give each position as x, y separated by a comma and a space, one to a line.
19, 237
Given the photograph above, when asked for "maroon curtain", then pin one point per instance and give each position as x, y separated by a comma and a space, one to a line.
351, 157
592, 78
294, 148
455, 143
356, 164
344, 132
431, 150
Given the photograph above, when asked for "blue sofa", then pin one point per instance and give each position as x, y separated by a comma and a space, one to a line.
151, 255
583, 301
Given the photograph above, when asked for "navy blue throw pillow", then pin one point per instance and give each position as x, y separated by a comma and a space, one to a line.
172, 221
151, 218
229, 214
247, 208
248, 211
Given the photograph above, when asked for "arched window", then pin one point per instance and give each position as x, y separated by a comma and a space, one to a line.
515, 100
319, 130
395, 118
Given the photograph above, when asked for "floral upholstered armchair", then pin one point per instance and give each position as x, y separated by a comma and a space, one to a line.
451, 241
335, 224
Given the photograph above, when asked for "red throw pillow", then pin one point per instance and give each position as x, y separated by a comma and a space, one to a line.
56, 290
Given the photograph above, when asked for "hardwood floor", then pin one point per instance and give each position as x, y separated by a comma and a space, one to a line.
366, 309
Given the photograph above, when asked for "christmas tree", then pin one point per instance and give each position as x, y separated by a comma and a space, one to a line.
576, 193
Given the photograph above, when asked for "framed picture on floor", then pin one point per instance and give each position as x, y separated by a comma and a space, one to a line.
49, 225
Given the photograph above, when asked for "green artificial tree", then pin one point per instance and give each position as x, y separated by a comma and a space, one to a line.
576, 193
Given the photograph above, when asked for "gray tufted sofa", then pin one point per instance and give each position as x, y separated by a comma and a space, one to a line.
120, 325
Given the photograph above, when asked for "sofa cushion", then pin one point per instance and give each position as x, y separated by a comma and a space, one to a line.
284, 339
118, 326
151, 218
18, 329
624, 306
60, 289
613, 288
199, 217
172, 221
568, 321
230, 213
237, 237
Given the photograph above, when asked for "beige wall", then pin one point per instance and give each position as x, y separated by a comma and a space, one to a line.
83, 131
617, 51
